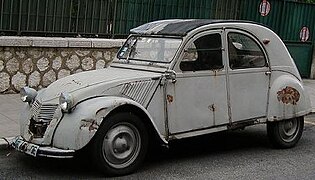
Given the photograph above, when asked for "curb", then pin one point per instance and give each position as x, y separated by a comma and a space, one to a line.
5, 142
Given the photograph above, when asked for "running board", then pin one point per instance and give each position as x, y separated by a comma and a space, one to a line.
242, 124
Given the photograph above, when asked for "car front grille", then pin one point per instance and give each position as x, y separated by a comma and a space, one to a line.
41, 115
43, 112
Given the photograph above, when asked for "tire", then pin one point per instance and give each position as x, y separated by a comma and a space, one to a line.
286, 133
120, 145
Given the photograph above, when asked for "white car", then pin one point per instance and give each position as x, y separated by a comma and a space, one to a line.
171, 79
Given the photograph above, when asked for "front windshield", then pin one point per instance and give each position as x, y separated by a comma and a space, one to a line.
154, 49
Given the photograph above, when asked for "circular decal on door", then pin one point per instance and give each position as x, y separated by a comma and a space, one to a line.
264, 8
304, 34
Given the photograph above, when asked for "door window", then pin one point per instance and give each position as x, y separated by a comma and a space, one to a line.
244, 52
205, 53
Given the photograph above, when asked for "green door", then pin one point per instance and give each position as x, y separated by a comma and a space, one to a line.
302, 55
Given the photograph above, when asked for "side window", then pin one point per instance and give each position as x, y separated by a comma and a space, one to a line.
244, 52
205, 53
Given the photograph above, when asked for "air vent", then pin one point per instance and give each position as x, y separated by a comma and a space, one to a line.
138, 90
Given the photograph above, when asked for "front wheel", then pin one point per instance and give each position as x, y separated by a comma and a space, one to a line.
120, 144
286, 133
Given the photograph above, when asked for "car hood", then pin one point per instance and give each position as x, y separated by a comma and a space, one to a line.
93, 83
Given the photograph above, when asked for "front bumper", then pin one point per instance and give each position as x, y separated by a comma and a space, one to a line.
35, 150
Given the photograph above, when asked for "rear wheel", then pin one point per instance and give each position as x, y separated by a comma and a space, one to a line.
120, 144
286, 133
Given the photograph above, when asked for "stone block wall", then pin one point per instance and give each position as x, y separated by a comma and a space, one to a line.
37, 62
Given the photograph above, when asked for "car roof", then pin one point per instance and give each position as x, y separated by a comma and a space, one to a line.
178, 27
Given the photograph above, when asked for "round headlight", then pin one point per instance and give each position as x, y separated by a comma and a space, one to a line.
28, 94
65, 101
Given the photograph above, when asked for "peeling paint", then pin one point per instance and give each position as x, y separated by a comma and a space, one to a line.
288, 95
90, 124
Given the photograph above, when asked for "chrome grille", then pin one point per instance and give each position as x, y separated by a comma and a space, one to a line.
138, 90
43, 112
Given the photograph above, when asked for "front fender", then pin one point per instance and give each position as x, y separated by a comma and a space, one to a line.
287, 99
77, 128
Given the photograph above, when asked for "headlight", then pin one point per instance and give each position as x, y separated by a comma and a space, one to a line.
28, 94
65, 101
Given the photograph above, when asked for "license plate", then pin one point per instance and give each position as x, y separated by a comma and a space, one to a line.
26, 147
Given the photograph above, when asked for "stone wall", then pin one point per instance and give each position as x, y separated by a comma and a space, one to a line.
37, 62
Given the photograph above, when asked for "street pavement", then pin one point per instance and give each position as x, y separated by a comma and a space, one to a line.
10, 108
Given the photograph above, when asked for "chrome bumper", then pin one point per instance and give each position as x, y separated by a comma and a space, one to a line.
35, 150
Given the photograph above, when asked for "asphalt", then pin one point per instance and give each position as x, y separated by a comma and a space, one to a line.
10, 108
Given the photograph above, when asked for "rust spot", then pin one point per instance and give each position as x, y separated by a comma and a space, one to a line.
170, 98
93, 126
90, 124
212, 107
288, 95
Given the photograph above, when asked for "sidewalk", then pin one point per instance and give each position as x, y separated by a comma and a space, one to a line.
10, 108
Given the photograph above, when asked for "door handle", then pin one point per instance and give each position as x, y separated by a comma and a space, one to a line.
268, 73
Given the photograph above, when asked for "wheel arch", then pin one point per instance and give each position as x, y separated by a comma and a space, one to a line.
287, 99
77, 129
145, 118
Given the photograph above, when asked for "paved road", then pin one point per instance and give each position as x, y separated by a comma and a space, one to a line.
239, 154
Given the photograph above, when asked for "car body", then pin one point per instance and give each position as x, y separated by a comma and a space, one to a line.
171, 79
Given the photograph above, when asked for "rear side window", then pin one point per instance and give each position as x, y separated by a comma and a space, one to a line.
205, 53
244, 52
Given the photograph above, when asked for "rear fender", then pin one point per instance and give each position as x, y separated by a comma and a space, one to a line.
287, 99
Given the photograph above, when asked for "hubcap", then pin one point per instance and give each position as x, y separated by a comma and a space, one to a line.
289, 129
121, 145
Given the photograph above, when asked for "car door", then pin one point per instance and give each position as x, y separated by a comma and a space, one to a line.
198, 98
248, 76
